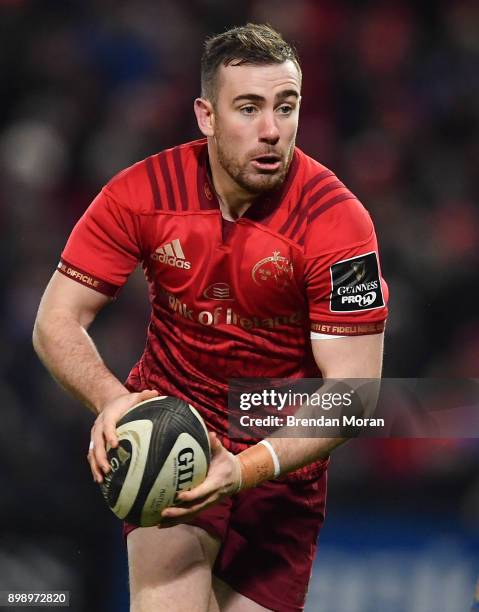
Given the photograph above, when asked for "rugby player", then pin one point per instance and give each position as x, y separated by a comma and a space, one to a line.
259, 263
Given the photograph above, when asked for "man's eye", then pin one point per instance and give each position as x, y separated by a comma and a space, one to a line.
285, 109
248, 110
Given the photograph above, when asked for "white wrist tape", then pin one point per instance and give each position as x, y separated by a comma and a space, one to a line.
240, 480
274, 456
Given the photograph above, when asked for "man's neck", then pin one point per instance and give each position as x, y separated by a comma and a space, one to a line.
233, 200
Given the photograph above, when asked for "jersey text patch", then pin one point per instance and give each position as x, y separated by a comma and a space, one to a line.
355, 284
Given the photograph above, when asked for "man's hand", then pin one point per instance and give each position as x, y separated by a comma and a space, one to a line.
224, 478
104, 430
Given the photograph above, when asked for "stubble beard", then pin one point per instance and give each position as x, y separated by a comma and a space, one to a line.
250, 180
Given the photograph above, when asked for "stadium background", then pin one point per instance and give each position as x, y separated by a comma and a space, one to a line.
391, 103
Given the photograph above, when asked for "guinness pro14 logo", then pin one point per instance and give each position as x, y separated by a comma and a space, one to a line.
356, 284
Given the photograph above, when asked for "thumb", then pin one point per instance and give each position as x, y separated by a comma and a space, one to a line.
215, 444
147, 394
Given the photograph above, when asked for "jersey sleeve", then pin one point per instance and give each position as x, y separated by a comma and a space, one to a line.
346, 293
103, 248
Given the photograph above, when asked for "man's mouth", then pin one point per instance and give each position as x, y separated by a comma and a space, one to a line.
267, 163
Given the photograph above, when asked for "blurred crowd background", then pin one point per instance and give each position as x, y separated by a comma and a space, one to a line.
391, 104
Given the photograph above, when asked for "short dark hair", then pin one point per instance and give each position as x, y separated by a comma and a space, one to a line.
249, 44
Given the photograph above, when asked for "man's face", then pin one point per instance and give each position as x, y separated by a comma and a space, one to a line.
255, 123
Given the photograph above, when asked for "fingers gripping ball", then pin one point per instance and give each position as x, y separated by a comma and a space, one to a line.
163, 449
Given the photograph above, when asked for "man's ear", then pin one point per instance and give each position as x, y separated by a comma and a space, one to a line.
205, 116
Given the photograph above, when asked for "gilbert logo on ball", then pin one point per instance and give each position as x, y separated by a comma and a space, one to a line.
163, 449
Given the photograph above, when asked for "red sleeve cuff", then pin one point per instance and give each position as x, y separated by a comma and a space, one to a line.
348, 329
87, 279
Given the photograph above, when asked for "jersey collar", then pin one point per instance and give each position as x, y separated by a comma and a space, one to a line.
262, 208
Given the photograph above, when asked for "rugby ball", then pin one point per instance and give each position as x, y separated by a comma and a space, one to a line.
163, 449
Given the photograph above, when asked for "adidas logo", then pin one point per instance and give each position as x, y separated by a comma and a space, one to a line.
172, 254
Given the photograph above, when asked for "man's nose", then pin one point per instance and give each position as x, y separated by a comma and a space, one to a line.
269, 131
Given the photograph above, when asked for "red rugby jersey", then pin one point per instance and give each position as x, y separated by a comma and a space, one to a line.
230, 300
